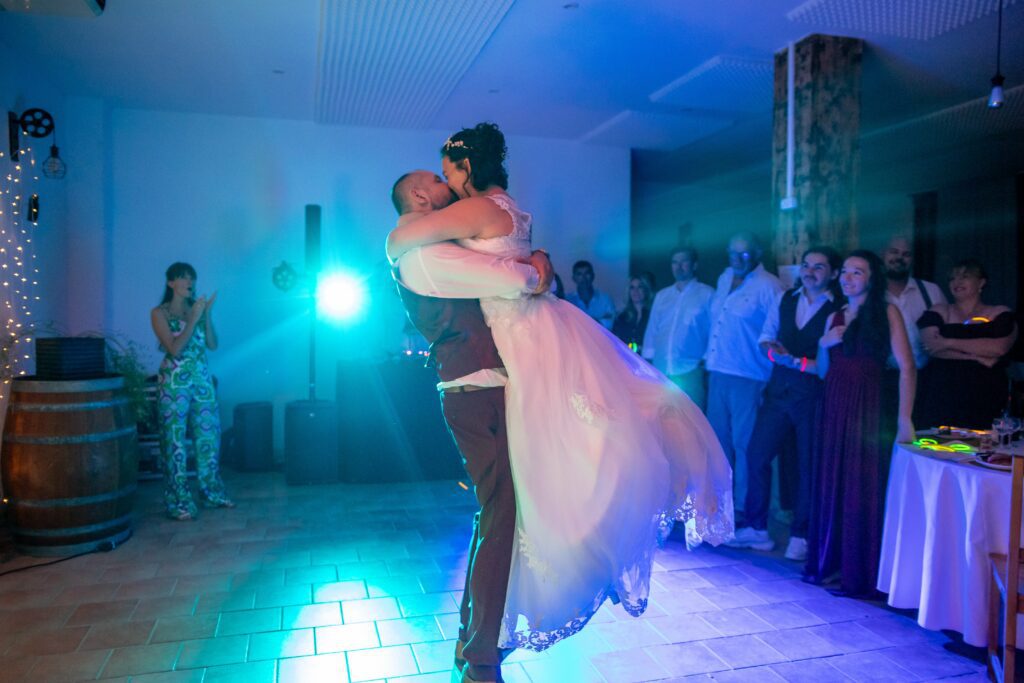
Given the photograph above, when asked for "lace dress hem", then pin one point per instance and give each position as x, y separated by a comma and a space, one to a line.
700, 528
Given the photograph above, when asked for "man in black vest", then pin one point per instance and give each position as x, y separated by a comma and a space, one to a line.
472, 399
790, 339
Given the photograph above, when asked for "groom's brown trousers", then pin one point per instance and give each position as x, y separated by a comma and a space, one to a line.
461, 344
477, 422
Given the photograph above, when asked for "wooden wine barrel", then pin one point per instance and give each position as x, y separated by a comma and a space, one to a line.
69, 464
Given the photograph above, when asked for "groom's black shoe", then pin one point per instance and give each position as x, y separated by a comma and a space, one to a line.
492, 678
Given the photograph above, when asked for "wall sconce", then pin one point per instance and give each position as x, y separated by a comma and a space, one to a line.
36, 123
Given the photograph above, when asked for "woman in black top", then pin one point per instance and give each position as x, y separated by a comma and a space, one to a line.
965, 382
631, 323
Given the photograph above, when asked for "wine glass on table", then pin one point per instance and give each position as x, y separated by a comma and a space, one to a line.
1003, 428
1015, 425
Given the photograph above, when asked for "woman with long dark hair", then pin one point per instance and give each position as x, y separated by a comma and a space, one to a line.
631, 322
851, 468
184, 327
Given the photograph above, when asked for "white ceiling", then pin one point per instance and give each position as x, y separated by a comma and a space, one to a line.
685, 82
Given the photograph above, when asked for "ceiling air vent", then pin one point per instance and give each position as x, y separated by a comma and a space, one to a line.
62, 8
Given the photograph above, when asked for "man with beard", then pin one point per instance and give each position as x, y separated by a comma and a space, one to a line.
913, 296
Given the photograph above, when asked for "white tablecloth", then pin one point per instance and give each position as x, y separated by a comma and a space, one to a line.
942, 519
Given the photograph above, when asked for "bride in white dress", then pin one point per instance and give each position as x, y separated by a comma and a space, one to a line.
605, 451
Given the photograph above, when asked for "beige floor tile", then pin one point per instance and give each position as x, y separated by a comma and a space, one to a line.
35, 618
147, 588
213, 652
141, 659
320, 668
73, 666
171, 606
114, 634
279, 644
184, 628
94, 592
47, 642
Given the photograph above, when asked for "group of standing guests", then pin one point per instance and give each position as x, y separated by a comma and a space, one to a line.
824, 375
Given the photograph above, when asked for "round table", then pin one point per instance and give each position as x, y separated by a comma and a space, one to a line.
942, 519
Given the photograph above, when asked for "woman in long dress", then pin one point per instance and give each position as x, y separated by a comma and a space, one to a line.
851, 469
605, 451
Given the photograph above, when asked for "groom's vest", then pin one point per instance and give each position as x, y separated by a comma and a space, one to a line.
460, 341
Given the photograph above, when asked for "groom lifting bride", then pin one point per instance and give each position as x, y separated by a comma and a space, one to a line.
472, 399
582, 455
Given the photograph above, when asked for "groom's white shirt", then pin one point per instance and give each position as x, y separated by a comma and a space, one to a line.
448, 271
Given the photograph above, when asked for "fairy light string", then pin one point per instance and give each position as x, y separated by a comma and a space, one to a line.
19, 272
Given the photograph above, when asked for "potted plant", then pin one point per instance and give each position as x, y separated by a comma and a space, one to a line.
124, 358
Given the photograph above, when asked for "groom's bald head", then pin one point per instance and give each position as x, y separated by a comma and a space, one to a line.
420, 191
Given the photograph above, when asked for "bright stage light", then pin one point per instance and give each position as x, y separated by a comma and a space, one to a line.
340, 296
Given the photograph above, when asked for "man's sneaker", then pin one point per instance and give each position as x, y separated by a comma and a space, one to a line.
797, 549
749, 537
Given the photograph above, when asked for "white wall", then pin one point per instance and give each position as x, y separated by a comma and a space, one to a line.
227, 194
88, 267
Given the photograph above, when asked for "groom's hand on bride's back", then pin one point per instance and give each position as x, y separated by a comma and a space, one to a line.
542, 264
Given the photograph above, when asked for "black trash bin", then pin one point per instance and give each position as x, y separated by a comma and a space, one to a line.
252, 436
311, 442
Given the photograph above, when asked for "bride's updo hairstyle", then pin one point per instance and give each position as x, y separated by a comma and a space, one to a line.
484, 147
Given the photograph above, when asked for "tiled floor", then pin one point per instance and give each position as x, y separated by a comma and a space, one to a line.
361, 583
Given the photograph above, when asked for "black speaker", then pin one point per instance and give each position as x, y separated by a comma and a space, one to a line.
65, 358
312, 238
397, 418
311, 442
253, 436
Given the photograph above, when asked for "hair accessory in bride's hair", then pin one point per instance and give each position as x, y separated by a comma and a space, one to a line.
450, 144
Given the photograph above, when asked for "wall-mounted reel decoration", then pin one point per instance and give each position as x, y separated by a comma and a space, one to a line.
36, 123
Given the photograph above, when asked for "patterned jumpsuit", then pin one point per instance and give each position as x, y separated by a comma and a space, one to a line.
186, 395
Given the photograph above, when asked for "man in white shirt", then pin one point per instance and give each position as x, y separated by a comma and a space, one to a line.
737, 368
677, 330
588, 298
913, 296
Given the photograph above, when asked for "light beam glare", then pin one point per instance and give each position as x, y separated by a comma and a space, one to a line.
340, 296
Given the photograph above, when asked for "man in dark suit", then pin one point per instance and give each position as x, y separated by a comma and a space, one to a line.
472, 391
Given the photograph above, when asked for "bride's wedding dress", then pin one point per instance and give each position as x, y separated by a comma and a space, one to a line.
606, 452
